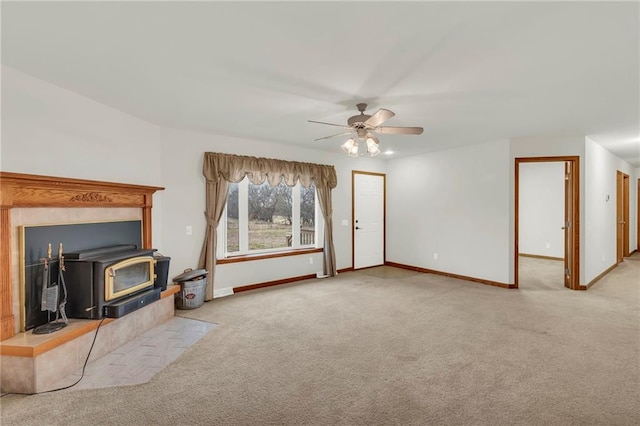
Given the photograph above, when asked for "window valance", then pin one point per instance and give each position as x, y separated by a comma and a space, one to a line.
233, 168
220, 169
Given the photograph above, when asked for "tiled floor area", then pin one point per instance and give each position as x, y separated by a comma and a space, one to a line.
141, 358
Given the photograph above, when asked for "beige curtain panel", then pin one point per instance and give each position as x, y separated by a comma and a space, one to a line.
220, 169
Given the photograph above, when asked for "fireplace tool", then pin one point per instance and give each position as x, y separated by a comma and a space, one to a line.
61, 270
50, 295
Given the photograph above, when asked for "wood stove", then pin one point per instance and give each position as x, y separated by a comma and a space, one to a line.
109, 281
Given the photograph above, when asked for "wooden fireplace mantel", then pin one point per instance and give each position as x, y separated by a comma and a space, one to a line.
24, 190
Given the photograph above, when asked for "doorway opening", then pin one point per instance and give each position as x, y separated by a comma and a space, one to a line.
368, 230
567, 221
540, 222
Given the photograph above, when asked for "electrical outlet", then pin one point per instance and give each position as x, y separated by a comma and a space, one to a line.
188, 230
311, 261
435, 256
548, 245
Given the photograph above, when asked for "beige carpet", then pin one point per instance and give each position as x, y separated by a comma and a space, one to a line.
387, 346
540, 274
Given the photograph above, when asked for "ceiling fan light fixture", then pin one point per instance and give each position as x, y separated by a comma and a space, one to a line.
372, 147
351, 147
363, 126
353, 152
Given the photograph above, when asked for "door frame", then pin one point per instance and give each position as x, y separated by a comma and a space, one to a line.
572, 205
622, 213
353, 214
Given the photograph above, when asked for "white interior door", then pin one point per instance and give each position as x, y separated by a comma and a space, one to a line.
368, 219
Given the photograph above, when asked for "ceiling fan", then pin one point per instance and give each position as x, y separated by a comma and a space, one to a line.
363, 126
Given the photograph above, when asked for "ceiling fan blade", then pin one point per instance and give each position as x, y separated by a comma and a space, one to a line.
379, 117
332, 136
330, 124
388, 130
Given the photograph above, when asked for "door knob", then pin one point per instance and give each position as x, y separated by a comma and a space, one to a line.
357, 227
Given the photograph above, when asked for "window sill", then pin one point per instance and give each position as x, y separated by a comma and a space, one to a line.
249, 257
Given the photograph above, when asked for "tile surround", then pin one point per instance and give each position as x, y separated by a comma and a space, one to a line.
9, 365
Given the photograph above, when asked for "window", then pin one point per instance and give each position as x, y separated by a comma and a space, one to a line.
264, 218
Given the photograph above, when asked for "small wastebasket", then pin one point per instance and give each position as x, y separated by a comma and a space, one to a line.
192, 288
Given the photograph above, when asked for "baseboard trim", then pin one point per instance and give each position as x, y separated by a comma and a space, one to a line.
272, 283
539, 256
450, 275
599, 277
349, 269
227, 291
364, 268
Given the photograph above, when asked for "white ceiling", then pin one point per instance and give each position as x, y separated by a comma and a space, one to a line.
466, 72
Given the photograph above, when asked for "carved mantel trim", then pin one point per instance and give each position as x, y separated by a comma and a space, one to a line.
25, 190
91, 197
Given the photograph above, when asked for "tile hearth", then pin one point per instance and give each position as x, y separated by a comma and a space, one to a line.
36, 363
140, 359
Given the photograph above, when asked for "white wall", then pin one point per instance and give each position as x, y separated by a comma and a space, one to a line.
184, 204
454, 203
48, 130
600, 215
546, 146
541, 211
